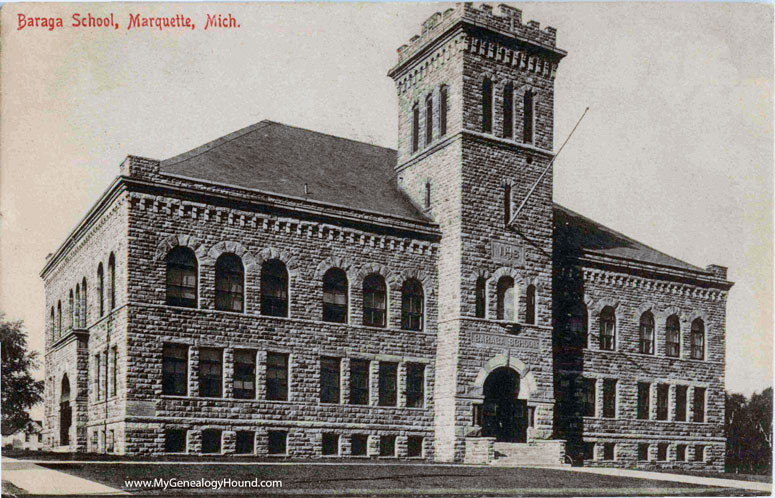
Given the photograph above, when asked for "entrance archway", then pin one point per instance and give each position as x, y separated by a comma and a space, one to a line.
65, 413
504, 415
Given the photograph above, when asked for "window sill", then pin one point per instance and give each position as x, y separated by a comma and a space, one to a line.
286, 318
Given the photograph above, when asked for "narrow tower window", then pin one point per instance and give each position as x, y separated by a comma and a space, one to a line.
429, 119
481, 297
506, 204
415, 129
487, 106
506, 299
530, 299
443, 111
508, 111
529, 117
427, 194
101, 289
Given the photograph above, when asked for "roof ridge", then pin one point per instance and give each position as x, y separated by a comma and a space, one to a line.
330, 135
214, 144
629, 239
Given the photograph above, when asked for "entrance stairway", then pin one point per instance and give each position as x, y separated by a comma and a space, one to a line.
529, 455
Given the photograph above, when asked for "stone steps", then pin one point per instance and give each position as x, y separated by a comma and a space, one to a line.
527, 455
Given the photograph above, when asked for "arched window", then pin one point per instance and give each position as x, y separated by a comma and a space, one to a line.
71, 310
182, 277
530, 304
274, 288
673, 336
429, 119
443, 111
53, 325
112, 282
427, 194
229, 283
646, 344
101, 289
59, 319
528, 117
335, 296
506, 299
577, 326
508, 111
607, 329
77, 309
412, 305
481, 297
374, 300
507, 200
487, 106
84, 304
698, 339
415, 128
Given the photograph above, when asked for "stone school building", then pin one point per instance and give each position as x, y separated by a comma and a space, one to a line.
280, 292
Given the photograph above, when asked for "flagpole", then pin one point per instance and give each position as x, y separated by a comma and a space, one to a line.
516, 213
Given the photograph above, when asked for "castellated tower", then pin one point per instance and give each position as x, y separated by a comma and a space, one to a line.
476, 116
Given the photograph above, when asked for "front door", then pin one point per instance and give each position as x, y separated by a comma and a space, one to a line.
65, 420
504, 416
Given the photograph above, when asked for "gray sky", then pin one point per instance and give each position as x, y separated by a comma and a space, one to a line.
676, 150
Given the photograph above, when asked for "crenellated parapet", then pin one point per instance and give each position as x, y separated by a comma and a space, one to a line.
507, 22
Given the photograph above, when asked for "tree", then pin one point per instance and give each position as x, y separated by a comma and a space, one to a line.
20, 391
749, 432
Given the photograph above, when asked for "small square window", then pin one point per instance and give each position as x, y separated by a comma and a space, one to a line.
278, 442
330, 444
699, 453
414, 446
662, 452
588, 451
643, 451
175, 441
245, 442
360, 444
608, 451
387, 446
211, 441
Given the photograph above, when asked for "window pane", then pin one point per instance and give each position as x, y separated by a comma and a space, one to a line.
274, 288
415, 385
277, 376
359, 382
329, 380
210, 372
229, 279
387, 383
335, 296
175, 369
244, 374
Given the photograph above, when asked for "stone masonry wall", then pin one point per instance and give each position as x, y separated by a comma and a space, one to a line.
631, 295
102, 236
308, 248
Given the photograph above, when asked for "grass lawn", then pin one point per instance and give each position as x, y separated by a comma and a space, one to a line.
382, 480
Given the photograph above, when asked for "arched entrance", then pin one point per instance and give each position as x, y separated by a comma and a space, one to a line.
504, 416
65, 413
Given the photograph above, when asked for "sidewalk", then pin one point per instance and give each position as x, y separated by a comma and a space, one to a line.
35, 479
662, 476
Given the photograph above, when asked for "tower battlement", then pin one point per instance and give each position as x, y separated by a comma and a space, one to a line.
507, 21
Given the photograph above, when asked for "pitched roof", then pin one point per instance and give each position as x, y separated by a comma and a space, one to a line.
576, 234
281, 159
